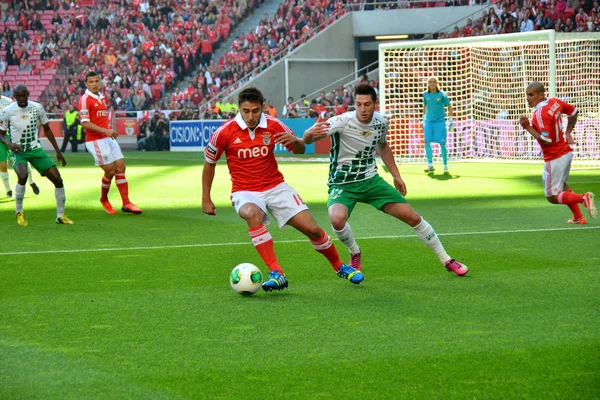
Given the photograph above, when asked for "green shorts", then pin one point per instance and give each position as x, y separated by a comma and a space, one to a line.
37, 158
3, 152
374, 191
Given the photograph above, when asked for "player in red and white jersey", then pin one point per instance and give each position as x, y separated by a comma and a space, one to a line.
546, 127
101, 143
248, 141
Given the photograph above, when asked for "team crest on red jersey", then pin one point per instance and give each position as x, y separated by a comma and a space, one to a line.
266, 138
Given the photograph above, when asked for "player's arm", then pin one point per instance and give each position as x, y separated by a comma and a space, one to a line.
316, 132
290, 140
524, 121
387, 156
12, 146
50, 135
571, 121
208, 175
90, 126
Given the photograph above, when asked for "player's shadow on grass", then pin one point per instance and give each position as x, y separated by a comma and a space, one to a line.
444, 177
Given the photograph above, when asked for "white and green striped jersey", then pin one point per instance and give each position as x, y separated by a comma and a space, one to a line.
353, 145
24, 124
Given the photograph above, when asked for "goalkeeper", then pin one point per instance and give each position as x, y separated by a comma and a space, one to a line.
435, 102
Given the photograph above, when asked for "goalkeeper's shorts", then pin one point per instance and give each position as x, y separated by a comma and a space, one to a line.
435, 132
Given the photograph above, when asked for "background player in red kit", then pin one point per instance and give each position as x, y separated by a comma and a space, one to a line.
546, 128
248, 141
101, 143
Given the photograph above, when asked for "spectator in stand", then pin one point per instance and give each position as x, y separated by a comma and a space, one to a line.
2, 66
56, 19
271, 110
290, 109
6, 90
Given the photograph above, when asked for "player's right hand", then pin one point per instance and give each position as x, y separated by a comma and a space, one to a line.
208, 207
318, 131
524, 121
15, 148
112, 134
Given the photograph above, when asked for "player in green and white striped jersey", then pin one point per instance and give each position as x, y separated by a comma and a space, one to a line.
5, 101
22, 119
353, 177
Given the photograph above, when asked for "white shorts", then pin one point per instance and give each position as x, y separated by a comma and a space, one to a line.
104, 151
556, 173
283, 202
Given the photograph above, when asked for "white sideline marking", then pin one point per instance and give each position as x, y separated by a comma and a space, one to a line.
181, 246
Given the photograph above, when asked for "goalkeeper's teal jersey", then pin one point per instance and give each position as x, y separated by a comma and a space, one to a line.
435, 106
24, 124
353, 146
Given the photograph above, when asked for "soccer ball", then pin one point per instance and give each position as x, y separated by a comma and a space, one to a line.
245, 279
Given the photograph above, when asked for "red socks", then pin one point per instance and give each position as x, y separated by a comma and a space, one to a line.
571, 200
123, 187
263, 242
325, 246
105, 187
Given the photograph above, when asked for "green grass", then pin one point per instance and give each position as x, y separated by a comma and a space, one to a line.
139, 307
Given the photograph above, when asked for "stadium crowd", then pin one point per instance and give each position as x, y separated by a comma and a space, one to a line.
143, 48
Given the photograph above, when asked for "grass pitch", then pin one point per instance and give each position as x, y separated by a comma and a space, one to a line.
139, 307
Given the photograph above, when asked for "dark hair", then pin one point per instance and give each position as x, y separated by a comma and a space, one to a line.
90, 74
251, 94
366, 89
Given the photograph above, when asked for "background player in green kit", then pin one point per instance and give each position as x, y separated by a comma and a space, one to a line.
22, 119
435, 102
353, 177
5, 101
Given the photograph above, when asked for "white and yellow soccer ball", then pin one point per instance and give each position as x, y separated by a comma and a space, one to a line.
245, 279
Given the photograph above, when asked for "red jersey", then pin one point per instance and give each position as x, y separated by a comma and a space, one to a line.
92, 108
250, 157
546, 120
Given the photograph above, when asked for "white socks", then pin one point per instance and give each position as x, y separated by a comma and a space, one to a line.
19, 194
428, 236
6, 180
59, 194
347, 237
29, 175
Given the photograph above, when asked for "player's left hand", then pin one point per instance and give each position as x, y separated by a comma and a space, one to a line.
400, 185
285, 138
60, 158
569, 138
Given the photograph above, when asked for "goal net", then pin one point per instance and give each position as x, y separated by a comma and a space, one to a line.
485, 78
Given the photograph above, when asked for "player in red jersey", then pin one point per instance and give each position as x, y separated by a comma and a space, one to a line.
248, 141
101, 143
546, 128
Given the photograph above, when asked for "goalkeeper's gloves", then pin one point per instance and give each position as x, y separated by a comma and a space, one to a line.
450, 123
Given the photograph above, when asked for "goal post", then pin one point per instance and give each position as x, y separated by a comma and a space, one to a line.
485, 78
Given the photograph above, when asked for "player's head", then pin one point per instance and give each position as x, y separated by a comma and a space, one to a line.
365, 102
21, 95
251, 102
535, 93
92, 82
433, 85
